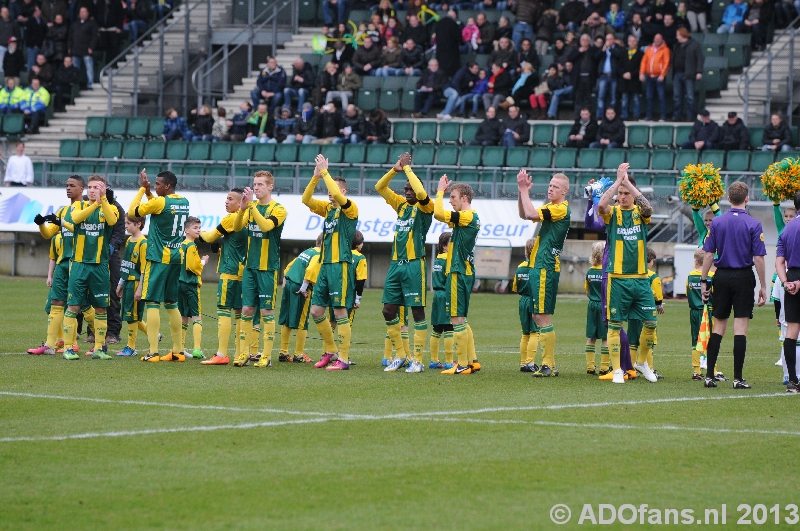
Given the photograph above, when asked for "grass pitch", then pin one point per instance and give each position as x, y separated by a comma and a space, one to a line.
129, 445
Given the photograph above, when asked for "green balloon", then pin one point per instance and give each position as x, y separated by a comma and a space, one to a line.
319, 43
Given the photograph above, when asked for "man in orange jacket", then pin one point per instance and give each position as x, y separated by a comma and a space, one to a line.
653, 71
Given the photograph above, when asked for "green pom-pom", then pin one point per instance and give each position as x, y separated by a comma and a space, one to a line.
701, 185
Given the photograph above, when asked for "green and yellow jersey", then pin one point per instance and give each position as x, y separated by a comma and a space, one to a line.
359, 266
694, 290
655, 286
413, 221
133, 258
466, 225
167, 217
93, 226
66, 230
552, 234
521, 278
232, 250
264, 224
339, 224
192, 265
438, 275
699, 222
593, 283
296, 270
57, 248
627, 242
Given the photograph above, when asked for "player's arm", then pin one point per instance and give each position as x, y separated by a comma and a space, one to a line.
315, 205
225, 227
658, 294
777, 213
79, 215
153, 205
48, 230
586, 286
604, 206
193, 262
361, 272
382, 187
275, 219
109, 211
419, 190
349, 208
311, 275
514, 285
524, 205
142, 254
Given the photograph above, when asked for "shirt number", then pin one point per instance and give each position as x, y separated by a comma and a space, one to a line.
176, 223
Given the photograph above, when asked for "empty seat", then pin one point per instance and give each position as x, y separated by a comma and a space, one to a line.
423, 155
68, 148
96, 126
589, 158
133, 149
542, 134
447, 155
354, 153
243, 152
269, 152
612, 158
638, 135
198, 151
737, 161
663, 159
176, 150
111, 149
332, 152
449, 133
639, 159
661, 136
403, 131
155, 149
376, 154
220, 151
565, 158
138, 127
518, 157
494, 156
470, 156
426, 131
90, 148
116, 126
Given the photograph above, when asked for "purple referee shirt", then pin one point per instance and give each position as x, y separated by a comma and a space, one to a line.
735, 237
789, 244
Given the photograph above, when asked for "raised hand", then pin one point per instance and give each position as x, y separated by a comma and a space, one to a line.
524, 180
444, 184
622, 172
405, 159
245, 198
101, 191
143, 182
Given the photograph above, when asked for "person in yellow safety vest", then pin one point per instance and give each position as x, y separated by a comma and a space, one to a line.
11, 96
34, 106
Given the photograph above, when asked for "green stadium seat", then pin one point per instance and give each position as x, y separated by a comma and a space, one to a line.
283, 152
661, 136
423, 155
220, 151
390, 98
682, 133
684, 157
377, 154
663, 159
69, 148
367, 98
155, 149
562, 134
176, 150
269, 152
470, 157
395, 150
449, 133
542, 134
243, 172
447, 155
737, 161
112, 149
565, 158
738, 49
217, 170
138, 127
372, 176
639, 159
307, 152
244, 152
13, 125
756, 136
716, 73
517, 157
96, 126
352, 175
713, 156
612, 158
409, 90
284, 178
540, 157
198, 150
426, 131
116, 126
359, 15
638, 135
193, 177
760, 160
713, 44
507, 187
494, 156
332, 152
156, 128
58, 172
541, 182
371, 82
354, 153
217, 177
662, 181
588, 158
90, 148
127, 174
468, 131
84, 168
133, 149
403, 131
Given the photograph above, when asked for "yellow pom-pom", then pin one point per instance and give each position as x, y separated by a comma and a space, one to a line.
782, 180
701, 185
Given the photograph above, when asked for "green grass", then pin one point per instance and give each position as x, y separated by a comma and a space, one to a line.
298, 448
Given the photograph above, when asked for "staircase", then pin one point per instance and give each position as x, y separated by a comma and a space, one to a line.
72, 124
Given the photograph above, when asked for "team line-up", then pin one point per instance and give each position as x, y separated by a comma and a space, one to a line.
326, 281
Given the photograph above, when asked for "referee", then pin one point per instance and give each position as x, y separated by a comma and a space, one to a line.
787, 264
738, 241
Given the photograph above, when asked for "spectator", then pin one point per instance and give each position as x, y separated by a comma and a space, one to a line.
585, 68
523, 87
353, 129
35, 33
551, 82
270, 84
429, 88
11, 97
733, 17
583, 130
65, 77
237, 126
448, 37
570, 17
330, 124
526, 54
341, 6
504, 54
734, 134
34, 106
785, 12
284, 127
347, 83
138, 15
51, 8
527, 12
470, 34
220, 128
499, 87
43, 70
545, 31
687, 64
385, 11
609, 70
610, 132
561, 53
391, 59
459, 89
667, 29
56, 43
680, 16
643, 8
379, 128
300, 85
704, 134
696, 15
486, 36
306, 127
565, 89
630, 86
517, 129
393, 30
326, 83
636, 29
19, 168
13, 61
504, 29
652, 72
616, 18
257, 125
342, 53
475, 95
82, 42
752, 23
110, 18
595, 27
412, 59
489, 131
203, 126
595, 7
175, 127
368, 59
416, 31
8, 28
777, 136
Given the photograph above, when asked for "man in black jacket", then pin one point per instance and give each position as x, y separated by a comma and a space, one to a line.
82, 42
734, 134
237, 125
379, 128
609, 70
704, 134
777, 136
516, 129
489, 131
459, 88
610, 133
416, 31
367, 59
585, 69
13, 61
116, 247
630, 86
429, 88
583, 131
353, 126
35, 31
687, 69
65, 77
306, 129
330, 124
412, 58
299, 85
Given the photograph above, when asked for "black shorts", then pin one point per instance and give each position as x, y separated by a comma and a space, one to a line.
734, 289
791, 303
